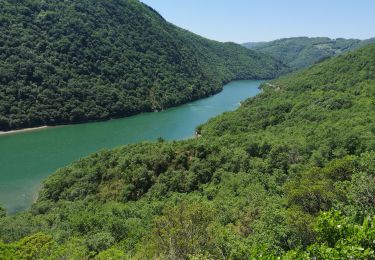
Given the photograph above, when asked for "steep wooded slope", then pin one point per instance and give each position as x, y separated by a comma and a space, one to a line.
75, 61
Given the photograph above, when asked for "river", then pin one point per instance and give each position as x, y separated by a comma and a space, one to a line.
27, 158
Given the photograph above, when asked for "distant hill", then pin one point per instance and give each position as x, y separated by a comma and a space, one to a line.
251, 45
75, 61
301, 52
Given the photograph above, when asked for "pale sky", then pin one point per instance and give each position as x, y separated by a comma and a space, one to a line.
264, 20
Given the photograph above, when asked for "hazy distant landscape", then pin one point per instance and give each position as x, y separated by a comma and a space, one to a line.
125, 136
301, 52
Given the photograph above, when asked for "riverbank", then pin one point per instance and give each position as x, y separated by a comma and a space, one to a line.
26, 159
23, 130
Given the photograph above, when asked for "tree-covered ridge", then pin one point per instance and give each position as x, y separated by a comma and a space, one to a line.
301, 52
289, 174
73, 61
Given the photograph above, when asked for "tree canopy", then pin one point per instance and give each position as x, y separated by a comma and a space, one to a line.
289, 174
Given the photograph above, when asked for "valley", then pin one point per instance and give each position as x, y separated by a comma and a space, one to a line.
43, 151
124, 136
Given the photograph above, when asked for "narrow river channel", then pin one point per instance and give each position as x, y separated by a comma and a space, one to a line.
27, 158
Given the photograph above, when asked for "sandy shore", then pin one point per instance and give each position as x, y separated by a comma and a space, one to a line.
23, 130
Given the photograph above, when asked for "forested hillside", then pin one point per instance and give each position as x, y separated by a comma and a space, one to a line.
301, 52
290, 173
75, 61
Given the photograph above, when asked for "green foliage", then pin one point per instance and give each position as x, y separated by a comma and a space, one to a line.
361, 189
274, 178
182, 230
41, 246
75, 61
341, 237
100, 241
33, 247
314, 191
301, 52
112, 254
2, 212
73, 248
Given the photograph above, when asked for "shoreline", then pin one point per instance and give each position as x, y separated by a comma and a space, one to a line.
248, 88
3, 133
23, 130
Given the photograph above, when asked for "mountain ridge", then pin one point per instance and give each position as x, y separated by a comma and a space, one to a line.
301, 52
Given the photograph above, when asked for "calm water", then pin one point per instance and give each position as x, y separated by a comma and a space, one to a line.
28, 158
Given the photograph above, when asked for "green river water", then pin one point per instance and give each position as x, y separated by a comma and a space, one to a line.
28, 158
